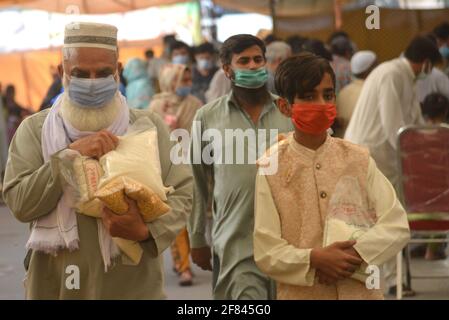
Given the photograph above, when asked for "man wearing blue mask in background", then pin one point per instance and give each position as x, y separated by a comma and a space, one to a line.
204, 70
247, 108
442, 34
180, 53
87, 118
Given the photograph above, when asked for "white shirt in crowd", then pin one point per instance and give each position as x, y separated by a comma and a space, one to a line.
387, 102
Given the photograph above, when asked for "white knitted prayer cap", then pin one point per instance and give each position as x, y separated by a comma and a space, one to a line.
89, 34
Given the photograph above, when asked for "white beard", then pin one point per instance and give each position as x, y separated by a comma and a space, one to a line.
89, 119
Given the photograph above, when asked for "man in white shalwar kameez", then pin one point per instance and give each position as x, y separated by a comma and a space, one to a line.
388, 101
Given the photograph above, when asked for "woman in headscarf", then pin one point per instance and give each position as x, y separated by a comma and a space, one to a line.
175, 104
177, 107
138, 88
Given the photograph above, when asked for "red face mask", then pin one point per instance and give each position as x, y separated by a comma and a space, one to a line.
313, 118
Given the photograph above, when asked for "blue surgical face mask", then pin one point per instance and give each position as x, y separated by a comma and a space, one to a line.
444, 50
180, 59
204, 64
183, 91
92, 93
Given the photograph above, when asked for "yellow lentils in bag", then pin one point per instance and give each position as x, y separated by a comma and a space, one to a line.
113, 194
87, 174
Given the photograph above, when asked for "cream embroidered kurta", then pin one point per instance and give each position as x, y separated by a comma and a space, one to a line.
387, 102
32, 189
288, 263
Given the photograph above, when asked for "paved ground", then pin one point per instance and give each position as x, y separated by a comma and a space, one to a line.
13, 236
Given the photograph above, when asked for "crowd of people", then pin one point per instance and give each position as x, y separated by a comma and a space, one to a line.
336, 109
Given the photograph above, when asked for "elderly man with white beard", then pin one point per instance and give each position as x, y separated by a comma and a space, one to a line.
87, 118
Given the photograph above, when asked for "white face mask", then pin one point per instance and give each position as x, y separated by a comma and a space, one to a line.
426, 69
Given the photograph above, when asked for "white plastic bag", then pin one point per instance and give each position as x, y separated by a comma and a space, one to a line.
349, 217
136, 157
